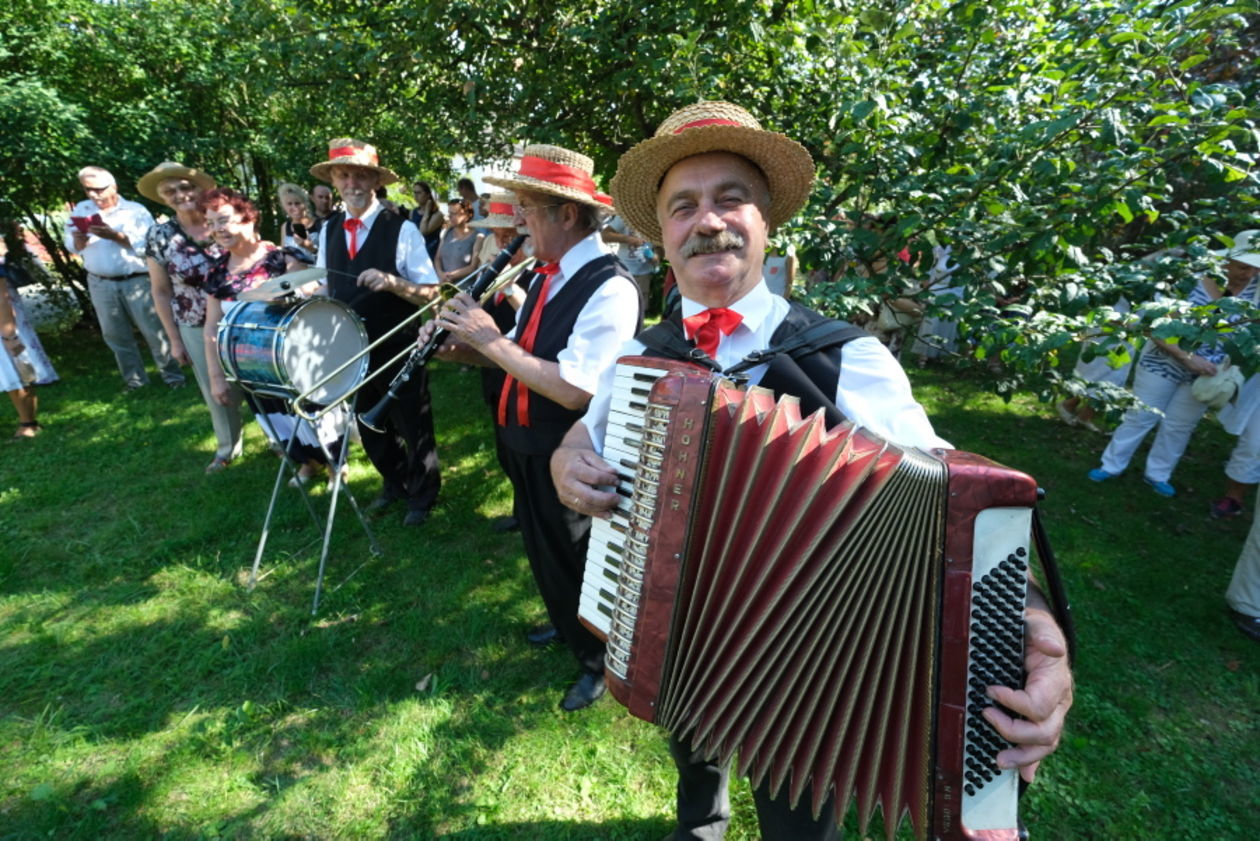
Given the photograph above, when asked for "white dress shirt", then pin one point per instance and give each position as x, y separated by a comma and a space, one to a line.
606, 322
104, 257
872, 392
411, 258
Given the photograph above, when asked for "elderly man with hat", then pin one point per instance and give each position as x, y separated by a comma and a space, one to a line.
108, 232
710, 186
580, 309
377, 263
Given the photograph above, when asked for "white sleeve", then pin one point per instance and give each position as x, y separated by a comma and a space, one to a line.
136, 226
596, 418
321, 261
874, 392
607, 321
412, 258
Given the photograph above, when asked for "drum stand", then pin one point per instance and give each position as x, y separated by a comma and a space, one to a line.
289, 466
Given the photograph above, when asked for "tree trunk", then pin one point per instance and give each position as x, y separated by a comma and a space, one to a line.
70, 271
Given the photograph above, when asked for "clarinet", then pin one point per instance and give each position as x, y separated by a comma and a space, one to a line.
374, 418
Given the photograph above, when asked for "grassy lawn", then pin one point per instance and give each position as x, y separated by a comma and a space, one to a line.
144, 693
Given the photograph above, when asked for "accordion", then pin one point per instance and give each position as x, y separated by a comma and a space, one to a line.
822, 604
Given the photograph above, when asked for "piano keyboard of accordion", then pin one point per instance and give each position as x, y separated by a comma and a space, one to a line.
825, 605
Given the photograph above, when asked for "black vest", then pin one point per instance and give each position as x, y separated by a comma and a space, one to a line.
504, 315
810, 374
380, 311
548, 420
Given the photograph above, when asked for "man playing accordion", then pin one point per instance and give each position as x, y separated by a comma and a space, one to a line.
710, 186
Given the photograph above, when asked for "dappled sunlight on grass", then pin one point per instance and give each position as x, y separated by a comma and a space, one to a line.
145, 692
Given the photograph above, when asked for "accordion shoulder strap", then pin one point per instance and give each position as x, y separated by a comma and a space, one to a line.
802, 332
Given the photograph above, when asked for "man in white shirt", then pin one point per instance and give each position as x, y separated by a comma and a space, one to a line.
710, 186
108, 232
580, 309
378, 265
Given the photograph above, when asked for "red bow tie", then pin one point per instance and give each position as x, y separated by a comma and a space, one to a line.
353, 226
706, 328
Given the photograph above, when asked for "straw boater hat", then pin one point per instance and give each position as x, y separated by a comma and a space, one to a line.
346, 151
1246, 249
502, 212
710, 127
556, 172
148, 184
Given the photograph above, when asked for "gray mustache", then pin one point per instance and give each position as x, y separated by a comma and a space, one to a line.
721, 241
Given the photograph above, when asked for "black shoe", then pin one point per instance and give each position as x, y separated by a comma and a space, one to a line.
505, 524
1249, 625
543, 635
416, 517
588, 689
378, 506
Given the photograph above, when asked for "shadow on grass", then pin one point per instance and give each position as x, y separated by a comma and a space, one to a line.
617, 830
83, 810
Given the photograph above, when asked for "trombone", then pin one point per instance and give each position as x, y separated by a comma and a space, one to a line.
491, 277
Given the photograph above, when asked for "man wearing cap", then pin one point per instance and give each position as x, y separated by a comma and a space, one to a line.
500, 221
710, 186
377, 263
109, 232
580, 309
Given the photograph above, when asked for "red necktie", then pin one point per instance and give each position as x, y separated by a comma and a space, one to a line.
707, 327
526, 340
353, 226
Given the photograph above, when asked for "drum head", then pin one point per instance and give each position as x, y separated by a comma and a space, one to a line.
321, 336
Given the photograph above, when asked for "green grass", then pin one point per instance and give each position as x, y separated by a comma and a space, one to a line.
144, 693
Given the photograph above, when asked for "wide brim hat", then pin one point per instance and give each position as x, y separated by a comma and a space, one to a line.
346, 151
1246, 249
555, 171
710, 127
502, 212
148, 184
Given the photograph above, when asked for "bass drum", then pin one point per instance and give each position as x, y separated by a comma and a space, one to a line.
286, 349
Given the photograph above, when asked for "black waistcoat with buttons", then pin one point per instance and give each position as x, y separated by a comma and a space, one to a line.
548, 420
380, 311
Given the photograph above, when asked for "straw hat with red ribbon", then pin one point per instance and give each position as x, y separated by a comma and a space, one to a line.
501, 213
556, 172
710, 127
346, 151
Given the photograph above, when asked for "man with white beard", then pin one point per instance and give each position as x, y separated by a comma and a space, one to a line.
377, 263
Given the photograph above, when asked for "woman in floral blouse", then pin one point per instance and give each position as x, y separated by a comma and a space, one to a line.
246, 261
180, 252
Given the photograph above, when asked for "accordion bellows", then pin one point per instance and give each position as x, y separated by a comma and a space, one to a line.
801, 598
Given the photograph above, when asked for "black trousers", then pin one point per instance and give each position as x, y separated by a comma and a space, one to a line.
555, 541
704, 806
405, 454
